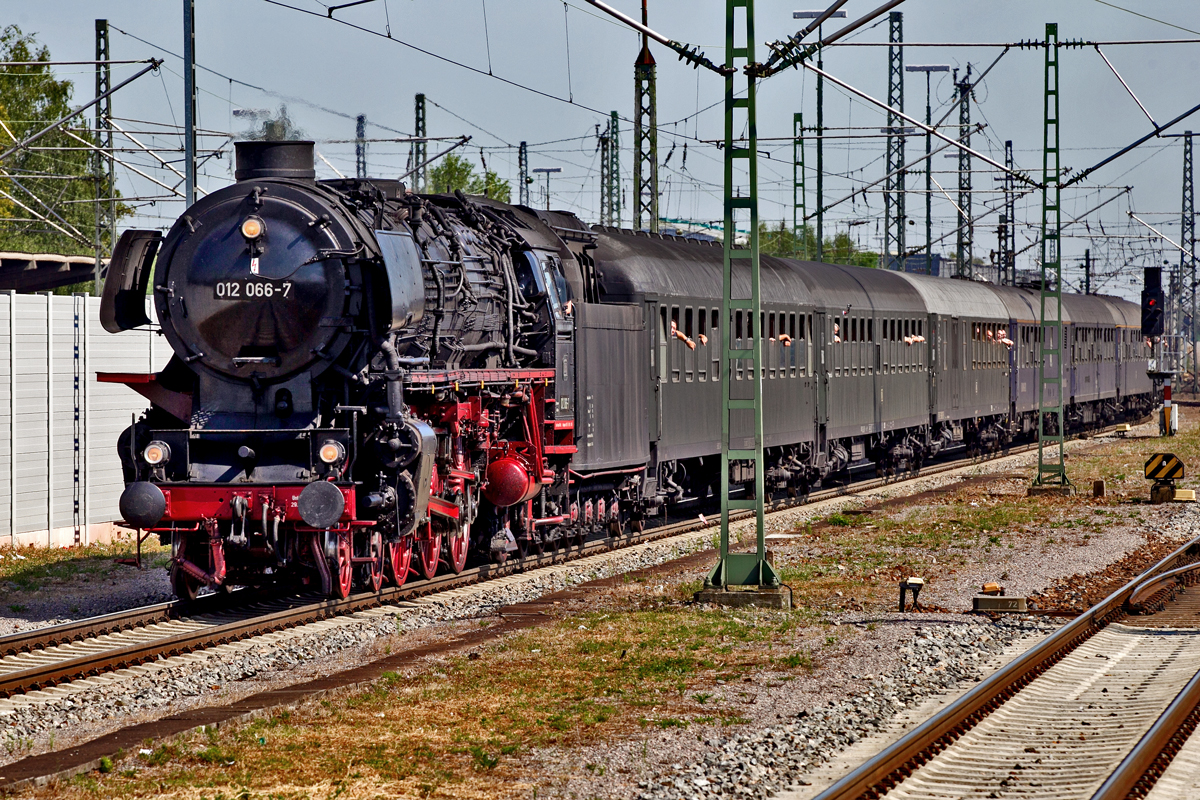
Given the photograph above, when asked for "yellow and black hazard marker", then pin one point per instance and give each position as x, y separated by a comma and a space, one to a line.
1164, 467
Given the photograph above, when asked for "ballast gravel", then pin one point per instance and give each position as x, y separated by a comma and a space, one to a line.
763, 762
224, 674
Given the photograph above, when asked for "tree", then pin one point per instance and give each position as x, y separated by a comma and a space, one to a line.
783, 241
55, 178
455, 173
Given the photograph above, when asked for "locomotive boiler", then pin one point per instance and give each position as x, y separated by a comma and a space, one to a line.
364, 380
369, 384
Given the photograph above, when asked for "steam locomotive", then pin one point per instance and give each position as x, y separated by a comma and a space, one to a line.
369, 384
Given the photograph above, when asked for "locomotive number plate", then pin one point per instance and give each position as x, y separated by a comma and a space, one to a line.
251, 290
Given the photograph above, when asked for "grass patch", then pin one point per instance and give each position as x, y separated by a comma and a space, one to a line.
459, 728
33, 568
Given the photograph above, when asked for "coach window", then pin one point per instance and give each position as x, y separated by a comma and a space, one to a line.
792, 357
787, 346
764, 350
717, 344
870, 356
689, 355
920, 327
852, 352
770, 351
663, 334
676, 347
781, 340
738, 331
702, 345
897, 348
896, 327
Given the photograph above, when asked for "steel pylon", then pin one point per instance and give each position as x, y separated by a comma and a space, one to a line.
1052, 466
741, 400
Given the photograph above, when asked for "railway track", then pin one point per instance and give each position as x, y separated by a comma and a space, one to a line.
1098, 709
46, 657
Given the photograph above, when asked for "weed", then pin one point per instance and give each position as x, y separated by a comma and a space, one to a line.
482, 760
16, 608
212, 755
803, 661
106, 765
701, 698
671, 722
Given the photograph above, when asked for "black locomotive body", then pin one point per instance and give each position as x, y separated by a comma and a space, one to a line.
369, 383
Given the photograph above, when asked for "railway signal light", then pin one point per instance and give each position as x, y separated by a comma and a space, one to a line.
1152, 303
1152, 315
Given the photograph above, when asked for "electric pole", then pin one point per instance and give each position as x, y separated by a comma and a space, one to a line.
189, 101
894, 218
820, 232
1052, 464
360, 147
103, 168
963, 251
1087, 271
420, 148
1009, 245
548, 171
610, 174
645, 138
927, 69
799, 190
523, 178
1187, 239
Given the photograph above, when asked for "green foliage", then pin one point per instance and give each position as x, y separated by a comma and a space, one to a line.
30, 99
783, 241
455, 173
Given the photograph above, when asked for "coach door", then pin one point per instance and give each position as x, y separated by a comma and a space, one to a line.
821, 342
956, 361
937, 350
657, 335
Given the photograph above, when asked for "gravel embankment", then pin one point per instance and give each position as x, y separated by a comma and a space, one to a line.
228, 673
762, 762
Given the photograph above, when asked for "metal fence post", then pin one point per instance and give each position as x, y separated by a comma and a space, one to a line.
49, 419
12, 418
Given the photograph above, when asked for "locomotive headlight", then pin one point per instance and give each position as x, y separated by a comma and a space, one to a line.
252, 228
156, 453
331, 452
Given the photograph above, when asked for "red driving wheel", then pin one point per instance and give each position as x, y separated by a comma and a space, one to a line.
428, 547
345, 567
458, 542
373, 574
399, 559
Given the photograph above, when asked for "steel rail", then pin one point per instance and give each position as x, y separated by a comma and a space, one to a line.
1151, 587
1144, 765
306, 610
878, 774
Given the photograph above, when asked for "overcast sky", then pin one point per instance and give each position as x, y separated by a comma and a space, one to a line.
326, 73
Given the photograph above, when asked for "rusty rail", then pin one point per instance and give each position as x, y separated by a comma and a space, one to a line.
878, 774
1144, 765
